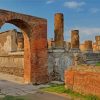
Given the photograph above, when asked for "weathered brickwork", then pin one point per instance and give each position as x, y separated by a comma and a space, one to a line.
85, 81
88, 46
97, 38
12, 71
75, 39
35, 44
8, 42
59, 30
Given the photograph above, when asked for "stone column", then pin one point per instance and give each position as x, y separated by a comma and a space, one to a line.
75, 40
59, 30
88, 46
20, 44
97, 38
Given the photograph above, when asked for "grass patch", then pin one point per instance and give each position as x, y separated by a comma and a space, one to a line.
26, 97
98, 64
13, 98
61, 89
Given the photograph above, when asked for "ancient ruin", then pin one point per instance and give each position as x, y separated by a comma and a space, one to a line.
75, 40
97, 38
28, 54
59, 30
34, 30
88, 46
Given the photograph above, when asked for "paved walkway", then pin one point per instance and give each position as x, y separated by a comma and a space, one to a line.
28, 90
15, 86
15, 89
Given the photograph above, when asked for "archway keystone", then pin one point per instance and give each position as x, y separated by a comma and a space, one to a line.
35, 44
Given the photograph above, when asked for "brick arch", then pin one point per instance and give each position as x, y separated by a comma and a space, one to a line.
35, 44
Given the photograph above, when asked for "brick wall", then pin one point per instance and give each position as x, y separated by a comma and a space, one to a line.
84, 80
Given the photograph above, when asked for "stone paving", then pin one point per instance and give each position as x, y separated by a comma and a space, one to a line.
29, 91
11, 88
14, 87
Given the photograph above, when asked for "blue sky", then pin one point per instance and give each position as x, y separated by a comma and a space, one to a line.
78, 14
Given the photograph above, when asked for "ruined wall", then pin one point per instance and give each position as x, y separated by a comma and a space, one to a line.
8, 42
58, 61
85, 80
11, 61
12, 64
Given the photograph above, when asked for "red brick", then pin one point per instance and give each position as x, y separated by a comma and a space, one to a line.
35, 44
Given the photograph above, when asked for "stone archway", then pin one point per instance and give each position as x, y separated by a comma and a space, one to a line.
35, 44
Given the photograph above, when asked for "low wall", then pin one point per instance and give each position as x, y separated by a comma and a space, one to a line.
83, 80
12, 64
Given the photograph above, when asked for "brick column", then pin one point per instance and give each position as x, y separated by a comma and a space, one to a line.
97, 38
59, 30
75, 41
88, 46
39, 56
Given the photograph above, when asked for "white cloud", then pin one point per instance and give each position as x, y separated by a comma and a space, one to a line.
88, 31
85, 33
50, 1
73, 4
94, 10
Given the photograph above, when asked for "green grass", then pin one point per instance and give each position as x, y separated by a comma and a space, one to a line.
13, 98
61, 89
98, 64
26, 97
56, 89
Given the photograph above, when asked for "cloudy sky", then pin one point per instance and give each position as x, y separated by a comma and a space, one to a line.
78, 14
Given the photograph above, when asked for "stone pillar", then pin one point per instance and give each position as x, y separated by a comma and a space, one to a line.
88, 46
20, 44
75, 40
59, 30
97, 38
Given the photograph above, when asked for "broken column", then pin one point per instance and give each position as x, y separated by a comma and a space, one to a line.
75, 41
97, 38
59, 29
88, 46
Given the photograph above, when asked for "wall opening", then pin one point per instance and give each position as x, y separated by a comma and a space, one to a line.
14, 48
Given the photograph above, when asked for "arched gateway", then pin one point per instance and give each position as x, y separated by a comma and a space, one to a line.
35, 44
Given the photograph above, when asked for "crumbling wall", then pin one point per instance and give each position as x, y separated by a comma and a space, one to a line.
12, 64
11, 61
8, 42
58, 61
85, 80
